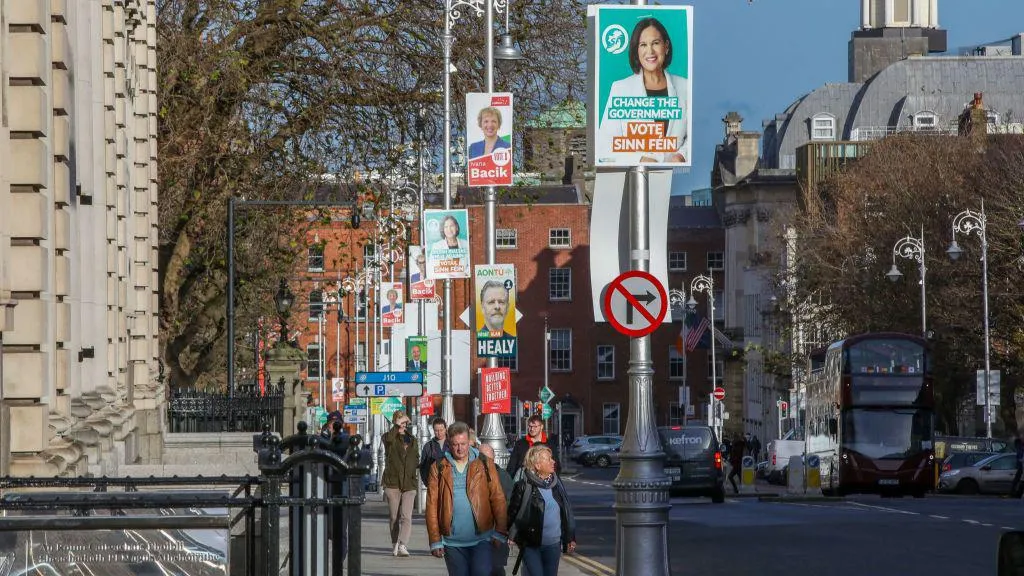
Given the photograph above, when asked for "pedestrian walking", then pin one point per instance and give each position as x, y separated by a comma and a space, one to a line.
534, 434
434, 449
466, 511
500, 554
540, 515
736, 452
1017, 488
401, 460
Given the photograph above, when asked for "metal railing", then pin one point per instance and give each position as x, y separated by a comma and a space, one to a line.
318, 479
247, 411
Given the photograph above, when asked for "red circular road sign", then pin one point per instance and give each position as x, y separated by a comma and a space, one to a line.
635, 303
719, 393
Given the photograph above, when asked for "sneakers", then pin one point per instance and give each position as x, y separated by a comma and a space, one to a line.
402, 550
395, 551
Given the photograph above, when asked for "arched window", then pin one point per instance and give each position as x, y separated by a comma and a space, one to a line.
823, 127
926, 121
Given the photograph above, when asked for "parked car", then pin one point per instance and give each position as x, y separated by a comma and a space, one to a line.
961, 459
585, 444
693, 461
992, 475
602, 457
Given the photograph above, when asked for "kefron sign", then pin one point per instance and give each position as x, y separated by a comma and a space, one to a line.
641, 75
489, 134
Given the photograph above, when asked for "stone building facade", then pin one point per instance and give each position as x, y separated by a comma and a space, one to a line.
78, 237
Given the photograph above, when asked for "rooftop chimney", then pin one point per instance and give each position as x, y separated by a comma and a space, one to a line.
733, 123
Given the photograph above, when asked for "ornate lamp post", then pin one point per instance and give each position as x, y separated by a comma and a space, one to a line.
706, 284
912, 249
968, 222
283, 301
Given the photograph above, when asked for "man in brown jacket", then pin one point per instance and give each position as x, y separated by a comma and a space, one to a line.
466, 510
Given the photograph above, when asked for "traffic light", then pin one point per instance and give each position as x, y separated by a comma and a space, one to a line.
526, 408
783, 409
538, 408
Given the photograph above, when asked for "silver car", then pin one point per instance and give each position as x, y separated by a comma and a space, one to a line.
586, 444
992, 475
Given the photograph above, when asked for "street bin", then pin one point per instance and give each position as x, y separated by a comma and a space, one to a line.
747, 475
795, 475
813, 475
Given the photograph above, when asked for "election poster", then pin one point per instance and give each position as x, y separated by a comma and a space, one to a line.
642, 74
420, 286
495, 294
489, 139
416, 354
392, 307
447, 233
495, 391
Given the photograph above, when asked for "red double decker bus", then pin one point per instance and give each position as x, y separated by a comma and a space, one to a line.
869, 415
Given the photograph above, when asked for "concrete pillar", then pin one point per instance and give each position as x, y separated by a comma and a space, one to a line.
933, 13
890, 11
916, 19
285, 362
865, 13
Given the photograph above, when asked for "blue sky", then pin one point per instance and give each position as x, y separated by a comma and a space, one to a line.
757, 58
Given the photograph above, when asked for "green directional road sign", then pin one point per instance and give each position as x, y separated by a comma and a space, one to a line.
545, 412
546, 395
321, 415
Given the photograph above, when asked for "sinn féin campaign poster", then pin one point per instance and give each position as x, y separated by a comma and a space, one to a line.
642, 83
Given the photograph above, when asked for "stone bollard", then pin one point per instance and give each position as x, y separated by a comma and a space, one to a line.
813, 475
747, 476
795, 476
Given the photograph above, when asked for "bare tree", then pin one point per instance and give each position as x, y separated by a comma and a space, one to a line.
845, 243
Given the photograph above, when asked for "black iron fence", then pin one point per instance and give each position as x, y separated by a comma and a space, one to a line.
319, 480
247, 411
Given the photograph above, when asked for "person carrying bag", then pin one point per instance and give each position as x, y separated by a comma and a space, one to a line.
540, 516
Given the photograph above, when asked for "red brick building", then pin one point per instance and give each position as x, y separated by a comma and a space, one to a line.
544, 231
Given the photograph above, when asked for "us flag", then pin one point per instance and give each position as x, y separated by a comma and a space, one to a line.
693, 338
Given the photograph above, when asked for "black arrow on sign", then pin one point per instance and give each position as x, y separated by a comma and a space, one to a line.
366, 390
646, 298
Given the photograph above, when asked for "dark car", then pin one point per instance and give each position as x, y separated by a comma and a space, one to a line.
693, 461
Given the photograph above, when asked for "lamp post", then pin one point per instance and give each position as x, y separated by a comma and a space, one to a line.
283, 301
912, 249
677, 301
706, 284
491, 431
966, 223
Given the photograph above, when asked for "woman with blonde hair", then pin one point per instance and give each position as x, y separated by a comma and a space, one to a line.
540, 515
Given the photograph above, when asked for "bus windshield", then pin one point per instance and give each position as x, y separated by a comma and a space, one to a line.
889, 356
887, 433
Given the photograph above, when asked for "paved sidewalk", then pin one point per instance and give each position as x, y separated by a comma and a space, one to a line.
377, 549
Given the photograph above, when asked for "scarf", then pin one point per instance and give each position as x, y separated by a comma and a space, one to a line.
540, 482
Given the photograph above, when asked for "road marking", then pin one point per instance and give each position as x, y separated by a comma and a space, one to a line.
1007, 528
588, 482
987, 525
885, 508
971, 521
937, 517
590, 565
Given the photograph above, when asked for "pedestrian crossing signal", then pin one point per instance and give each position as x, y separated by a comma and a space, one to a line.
783, 409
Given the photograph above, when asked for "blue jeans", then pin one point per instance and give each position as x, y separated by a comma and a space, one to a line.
469, 560
500, 556
542, 560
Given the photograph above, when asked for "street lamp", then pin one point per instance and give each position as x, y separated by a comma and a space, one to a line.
966, 223
912, 249
283, 301
706, 284
492, 430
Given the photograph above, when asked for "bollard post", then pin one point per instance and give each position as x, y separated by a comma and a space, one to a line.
356, 473
795, 476
268, 458
747, 476
813, 475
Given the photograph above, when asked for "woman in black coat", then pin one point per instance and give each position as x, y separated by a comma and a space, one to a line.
540, 515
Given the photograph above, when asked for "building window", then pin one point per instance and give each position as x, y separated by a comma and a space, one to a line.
506, 238
675, 414
578, 145
716, 261
925, 120
316, 258
511, 362
561, 350
316, 305
605, 362
559, 283
610, 418
510, 420
312, 361
719, 369
368, 252
559, 238
676, 364
719, 306
823, 127
677, 261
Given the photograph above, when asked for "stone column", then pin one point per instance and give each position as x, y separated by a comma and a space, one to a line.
285, 362
890, 13
933, 13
